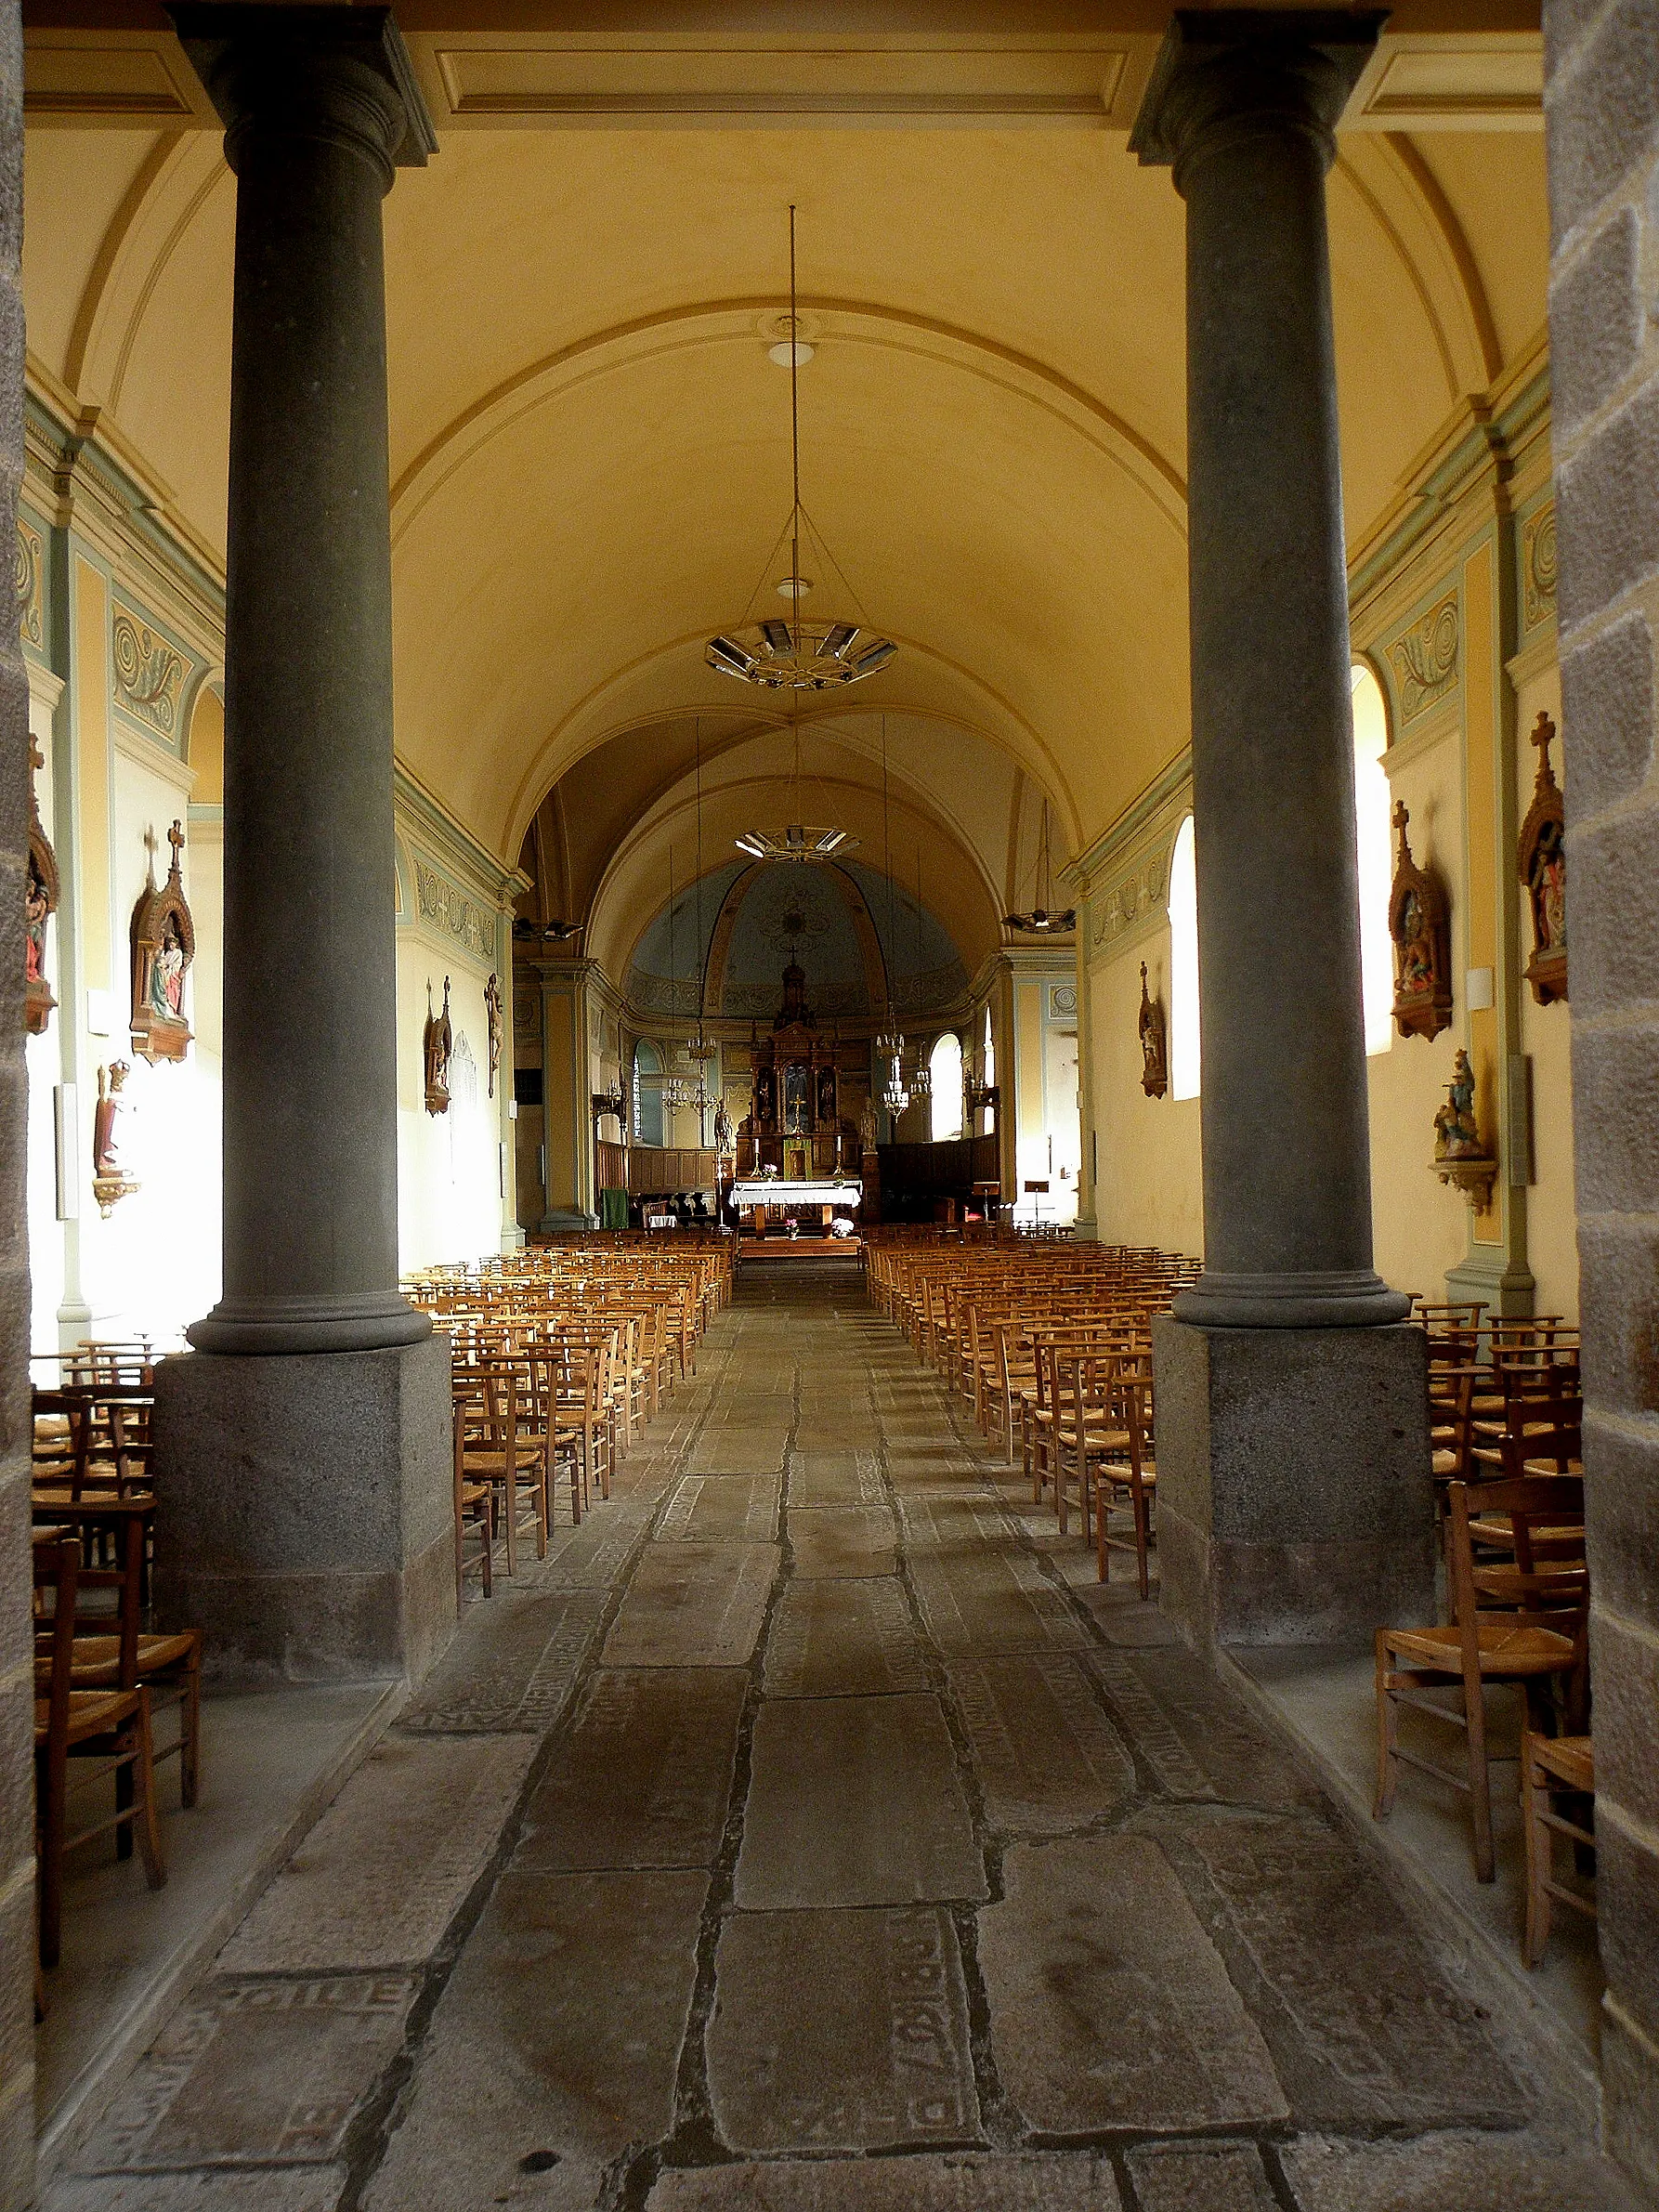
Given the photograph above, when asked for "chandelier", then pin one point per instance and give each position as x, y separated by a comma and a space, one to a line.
784, 653
1043, 920
894, 1097
799, 841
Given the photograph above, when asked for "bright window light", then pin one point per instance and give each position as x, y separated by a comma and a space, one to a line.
946, 1067
1184, 1045
1371, 809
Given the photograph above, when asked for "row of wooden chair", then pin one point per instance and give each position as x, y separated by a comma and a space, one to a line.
100, 1670
1050, 1345
560, 1356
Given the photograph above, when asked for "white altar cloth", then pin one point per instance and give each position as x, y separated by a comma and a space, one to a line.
819, 1190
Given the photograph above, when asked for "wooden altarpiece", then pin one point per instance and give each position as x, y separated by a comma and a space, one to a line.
1420, 924
794, 1122
1544, 874
163, 945
40, 902
1154, 1048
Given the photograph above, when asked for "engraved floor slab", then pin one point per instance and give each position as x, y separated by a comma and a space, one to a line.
849, 1539
1201, 2177
383, 1873
854, 1801
927, 2182
840, 2031
593, 1555
723, 1508
643, 1778
256, 2073
983, 1603
693, 1606
1240, 1760
1362, 2029
730, 1450
512, 1663
559, 2032
295, 2189
1472, 2173
835, 1478
1047, 1757
1110, 2006
838, 1639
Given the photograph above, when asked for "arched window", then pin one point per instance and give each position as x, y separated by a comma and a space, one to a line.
946, 1068
1184, 1048
989, 1055
648, 1093
1371, 810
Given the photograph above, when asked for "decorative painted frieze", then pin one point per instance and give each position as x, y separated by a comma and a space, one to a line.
150, 675
1133, 899
1424, 658
1538, 568
443, 902
31, 586
1063, 1002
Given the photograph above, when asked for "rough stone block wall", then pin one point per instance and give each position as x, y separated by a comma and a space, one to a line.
17, 1688
1602, 113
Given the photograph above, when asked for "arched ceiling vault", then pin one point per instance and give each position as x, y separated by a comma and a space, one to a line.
590, 447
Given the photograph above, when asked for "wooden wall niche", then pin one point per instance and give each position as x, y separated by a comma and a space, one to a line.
1420, 924
41, 892
1155, 1044
1543, 863
164, 946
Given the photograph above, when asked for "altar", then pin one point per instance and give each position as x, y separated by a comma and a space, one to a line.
786, 1197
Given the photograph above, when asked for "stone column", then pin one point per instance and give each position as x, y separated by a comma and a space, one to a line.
1600, 102
1274, 1530
17, 1764
332, 1563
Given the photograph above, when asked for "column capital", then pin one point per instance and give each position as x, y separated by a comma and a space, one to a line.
1229, 72
341, 72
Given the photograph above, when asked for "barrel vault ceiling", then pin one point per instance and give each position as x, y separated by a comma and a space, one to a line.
590, 444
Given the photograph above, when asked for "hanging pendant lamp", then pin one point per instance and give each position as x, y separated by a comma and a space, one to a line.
785, 653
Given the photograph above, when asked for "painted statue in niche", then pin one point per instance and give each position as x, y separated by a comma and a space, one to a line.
111, 1182
40, 902
1421, 926
1457, 1134
437, 1042
1543, 863
164, 946
1154, 1050
492, 1010
765, 1098
828, 1113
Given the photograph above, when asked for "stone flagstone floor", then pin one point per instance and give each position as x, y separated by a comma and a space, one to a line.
810, 1830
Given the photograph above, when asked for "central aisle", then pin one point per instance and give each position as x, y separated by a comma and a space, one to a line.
808, 1833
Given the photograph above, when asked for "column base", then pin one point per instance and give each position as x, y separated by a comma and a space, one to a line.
1350, 1297
1506, 1290
305, 1522
1295, 1497
371, 1321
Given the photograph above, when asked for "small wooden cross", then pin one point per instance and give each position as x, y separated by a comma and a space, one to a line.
176, 839
1400, 817
1543, 733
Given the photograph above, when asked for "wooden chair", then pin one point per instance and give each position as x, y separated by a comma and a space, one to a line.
474, 1509
1130, 1481
110, 1727
1530, 1633
115, 1652
1552, 1766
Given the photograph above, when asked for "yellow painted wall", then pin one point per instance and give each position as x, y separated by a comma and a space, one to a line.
1149, 1165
